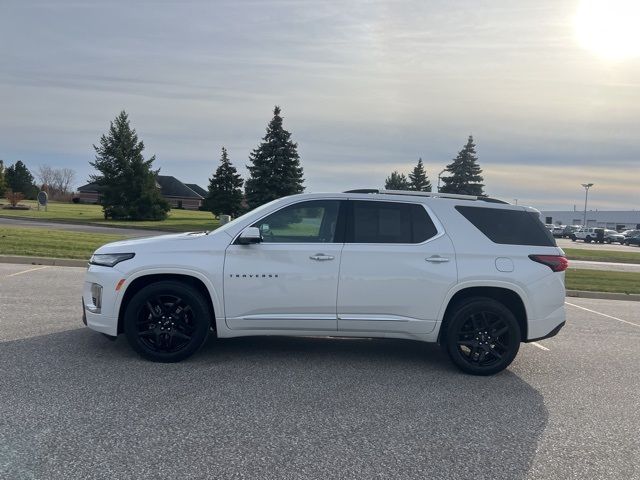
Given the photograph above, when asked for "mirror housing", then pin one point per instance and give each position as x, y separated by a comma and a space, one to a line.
250, 235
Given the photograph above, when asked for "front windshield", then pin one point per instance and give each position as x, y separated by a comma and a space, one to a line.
233, 222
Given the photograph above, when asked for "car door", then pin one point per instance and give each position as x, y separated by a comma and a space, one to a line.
288, 281
397, 267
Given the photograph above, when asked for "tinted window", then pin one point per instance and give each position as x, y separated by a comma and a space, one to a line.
512, 227
305, 222
389, 222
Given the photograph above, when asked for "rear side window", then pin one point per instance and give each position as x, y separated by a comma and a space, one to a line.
388, 222
511, 227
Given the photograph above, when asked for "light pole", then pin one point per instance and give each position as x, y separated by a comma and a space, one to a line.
439, 175
586, 186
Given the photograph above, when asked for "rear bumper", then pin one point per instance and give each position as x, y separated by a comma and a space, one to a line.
546, 327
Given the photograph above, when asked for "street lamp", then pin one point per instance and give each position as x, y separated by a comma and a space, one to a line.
586, 186
439, 175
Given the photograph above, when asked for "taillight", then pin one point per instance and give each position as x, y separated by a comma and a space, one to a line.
557, 263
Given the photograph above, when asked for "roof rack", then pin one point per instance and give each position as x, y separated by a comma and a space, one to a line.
426, 194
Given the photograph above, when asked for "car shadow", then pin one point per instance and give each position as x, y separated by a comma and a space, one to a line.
260, 407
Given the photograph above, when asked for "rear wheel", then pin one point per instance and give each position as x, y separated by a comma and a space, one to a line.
482, 336
587, 240
167, 321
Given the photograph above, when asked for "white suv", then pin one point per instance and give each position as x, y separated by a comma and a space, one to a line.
476, 275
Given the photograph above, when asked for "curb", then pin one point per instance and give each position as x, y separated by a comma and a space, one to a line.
54, 262
89, 224
629, 297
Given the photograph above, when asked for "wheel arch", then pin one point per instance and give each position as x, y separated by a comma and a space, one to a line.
142, 280
509, 297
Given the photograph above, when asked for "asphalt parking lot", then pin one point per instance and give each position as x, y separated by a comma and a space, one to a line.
74, 405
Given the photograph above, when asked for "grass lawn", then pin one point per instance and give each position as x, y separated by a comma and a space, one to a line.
602, 281
51, 243
178, 220
632, 256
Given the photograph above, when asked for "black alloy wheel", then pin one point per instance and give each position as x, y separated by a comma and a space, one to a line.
167, 321
483, 336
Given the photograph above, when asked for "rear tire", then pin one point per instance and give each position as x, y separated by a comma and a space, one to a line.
167, 321
482, 336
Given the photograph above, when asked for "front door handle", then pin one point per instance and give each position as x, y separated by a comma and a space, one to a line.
321, 257
436, 259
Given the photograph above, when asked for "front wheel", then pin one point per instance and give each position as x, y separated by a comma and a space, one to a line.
482, 336
167, 321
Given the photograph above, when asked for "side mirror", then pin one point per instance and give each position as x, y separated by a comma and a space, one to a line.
249, 236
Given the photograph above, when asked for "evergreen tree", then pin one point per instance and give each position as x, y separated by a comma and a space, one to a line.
275, 169
418, 178
3, 183
225, 194
19, 179
466, 174
397, 181
127, 181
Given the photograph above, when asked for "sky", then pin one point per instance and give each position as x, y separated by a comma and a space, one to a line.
550, 90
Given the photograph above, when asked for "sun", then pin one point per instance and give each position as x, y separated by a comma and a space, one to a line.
609, 28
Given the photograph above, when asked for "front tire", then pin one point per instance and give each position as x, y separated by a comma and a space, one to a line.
482, 336
167, 321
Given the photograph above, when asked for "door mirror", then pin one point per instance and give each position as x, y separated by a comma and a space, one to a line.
249, 236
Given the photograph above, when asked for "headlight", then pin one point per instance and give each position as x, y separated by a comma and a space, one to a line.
110, 259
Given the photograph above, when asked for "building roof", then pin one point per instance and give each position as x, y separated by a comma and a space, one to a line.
169, 187
197, 188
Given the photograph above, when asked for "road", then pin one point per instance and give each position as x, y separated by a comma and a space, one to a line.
566, 243
74, 405
127, 232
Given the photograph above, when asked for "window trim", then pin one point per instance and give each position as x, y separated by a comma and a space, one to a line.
436, 221
340, 223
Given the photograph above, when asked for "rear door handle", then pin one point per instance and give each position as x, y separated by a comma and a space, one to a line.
321, 257
436, 259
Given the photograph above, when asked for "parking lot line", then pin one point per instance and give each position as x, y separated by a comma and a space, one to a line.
27, 271
603, 314
541, 347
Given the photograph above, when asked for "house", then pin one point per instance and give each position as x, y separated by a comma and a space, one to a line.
172, 190
198, 189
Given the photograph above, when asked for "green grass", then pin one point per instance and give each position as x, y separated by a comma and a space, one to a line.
602, 281
178, 220
51, 243
603, 255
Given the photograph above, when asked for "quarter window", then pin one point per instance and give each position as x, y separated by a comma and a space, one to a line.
306, 222
389, 222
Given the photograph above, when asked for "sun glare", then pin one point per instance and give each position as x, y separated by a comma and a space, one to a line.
609, 28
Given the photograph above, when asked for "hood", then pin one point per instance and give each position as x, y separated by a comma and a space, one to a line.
161, 243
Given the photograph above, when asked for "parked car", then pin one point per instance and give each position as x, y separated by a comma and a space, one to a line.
635, 240
557, 231
568, 230
549, 226
590, 234
630, 233
611, 236
476, 275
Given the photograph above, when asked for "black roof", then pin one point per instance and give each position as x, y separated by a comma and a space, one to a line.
169, 187
197, 188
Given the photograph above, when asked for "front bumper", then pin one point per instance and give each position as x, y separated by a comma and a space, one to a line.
104, 318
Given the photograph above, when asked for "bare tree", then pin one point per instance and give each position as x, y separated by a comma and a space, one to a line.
45, 175
56, 180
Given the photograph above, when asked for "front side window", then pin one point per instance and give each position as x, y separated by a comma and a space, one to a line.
306, 222
389, 222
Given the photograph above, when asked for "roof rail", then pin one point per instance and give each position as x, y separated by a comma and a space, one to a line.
426, 194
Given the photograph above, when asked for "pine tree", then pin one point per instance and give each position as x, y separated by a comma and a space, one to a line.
225, 189
397, 181
19, 179
275, 169
127, 182
3, 183
418, 178
466, 174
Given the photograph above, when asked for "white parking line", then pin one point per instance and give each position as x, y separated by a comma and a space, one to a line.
603, 314
541, 347
27, 271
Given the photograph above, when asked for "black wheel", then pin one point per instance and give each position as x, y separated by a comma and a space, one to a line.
167, 321
573, 238
482, 336
587, 240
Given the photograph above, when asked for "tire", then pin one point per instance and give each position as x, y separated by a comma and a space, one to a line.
573, 238
473, 339
608, 241
167, 321
587, 240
